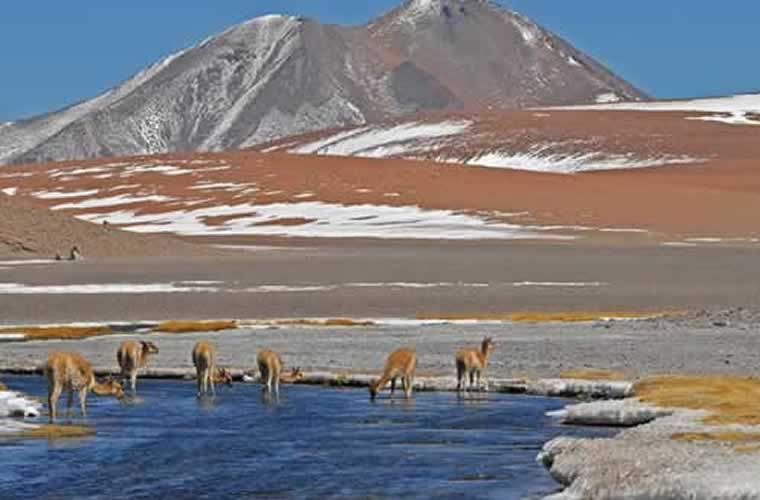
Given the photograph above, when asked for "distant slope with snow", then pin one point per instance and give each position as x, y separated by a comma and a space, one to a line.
741, 109
277, 76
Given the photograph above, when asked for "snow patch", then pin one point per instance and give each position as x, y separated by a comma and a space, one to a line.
376, 142
541, 159
733, 110
55, 195
559, 284
14, 404
329, 221
122, 199
10, 191
104, 288
607, 97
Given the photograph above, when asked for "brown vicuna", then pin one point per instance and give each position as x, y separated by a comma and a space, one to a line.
471, 362
270, 368
71, 372
291, 378
207, 373
131, 357
400, 364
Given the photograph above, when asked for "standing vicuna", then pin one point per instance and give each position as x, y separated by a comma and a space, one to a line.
207, 373
471, 362
71, 372
131, 357
270, 368
400, 364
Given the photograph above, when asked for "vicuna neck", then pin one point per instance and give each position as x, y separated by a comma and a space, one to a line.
101, 389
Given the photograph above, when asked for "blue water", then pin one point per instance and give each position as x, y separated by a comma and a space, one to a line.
314, 443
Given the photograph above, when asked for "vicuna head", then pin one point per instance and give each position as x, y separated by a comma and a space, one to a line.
223, 376
374, 387
149, 347
109, 387
487, 346
295, 375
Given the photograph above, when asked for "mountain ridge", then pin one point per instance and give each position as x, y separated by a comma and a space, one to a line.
275, 76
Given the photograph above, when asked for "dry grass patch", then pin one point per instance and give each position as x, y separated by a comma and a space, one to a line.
55, 432
3, 387
593, 374
747, 448
195, 326
725, 436
728, 399
59, 332
541, 317
324, 322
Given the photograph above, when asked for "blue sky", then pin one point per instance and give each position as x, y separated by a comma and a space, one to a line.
55, 53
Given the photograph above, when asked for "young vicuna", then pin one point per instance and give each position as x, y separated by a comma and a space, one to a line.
71, 372
472, 362
400, 364
270, 369
207, 373
131, 357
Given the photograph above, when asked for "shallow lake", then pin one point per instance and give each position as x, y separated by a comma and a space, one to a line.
313, 443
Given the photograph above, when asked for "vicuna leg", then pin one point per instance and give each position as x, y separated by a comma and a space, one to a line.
460, 376
69, 400
83, 401
393, 385
478, 374
211, 382
53, 394
409, 381
134, 382
199, 382
472, 379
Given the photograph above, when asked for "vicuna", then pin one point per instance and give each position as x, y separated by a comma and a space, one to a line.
131, 357
207, 373
71, 372
471, 362
270, 368
400, 364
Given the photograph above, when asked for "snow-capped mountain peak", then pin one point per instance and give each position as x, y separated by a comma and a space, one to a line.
276, 76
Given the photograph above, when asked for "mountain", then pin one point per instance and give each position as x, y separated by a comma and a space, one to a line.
276, 76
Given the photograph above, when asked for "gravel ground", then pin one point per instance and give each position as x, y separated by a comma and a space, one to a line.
697, 343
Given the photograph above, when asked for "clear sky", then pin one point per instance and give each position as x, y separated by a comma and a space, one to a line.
54, 52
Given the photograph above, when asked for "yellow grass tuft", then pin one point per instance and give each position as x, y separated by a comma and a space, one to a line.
195, 326
592, 374
747, 448
3, 387
59, 332
728, 399
541, 317
324, 322
54, 432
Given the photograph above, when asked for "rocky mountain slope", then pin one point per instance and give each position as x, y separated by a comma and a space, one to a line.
276, 76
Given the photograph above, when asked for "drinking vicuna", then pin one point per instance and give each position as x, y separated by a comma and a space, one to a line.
71, 372
400, 364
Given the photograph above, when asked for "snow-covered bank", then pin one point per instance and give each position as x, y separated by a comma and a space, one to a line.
14, 407
14, 404
647, 461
